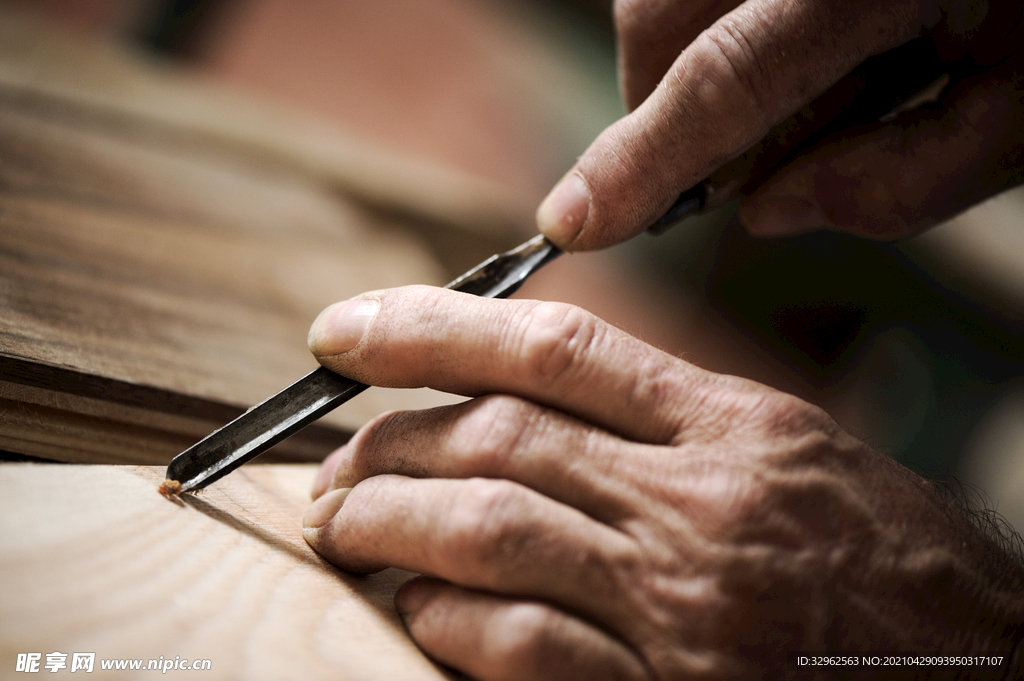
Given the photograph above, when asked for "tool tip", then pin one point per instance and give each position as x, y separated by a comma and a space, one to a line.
170, 489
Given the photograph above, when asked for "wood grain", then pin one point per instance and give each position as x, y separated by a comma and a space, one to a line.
63, 425
158, 273
171, 269
92, 559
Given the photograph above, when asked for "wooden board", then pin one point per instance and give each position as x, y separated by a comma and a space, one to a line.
65, 415
158, 274
92, 559
116, 85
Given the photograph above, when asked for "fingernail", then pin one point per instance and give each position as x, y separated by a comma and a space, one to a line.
781, 216
341, 326
411, 598
323, 509
562, 213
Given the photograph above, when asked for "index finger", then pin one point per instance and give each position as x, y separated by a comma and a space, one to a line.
550, 353
751, 69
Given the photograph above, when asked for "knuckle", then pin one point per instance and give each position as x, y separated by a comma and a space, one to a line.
731, 79
527, 627
657, 388
486, 528
554, 338
738, 402
367, 447
492, 432
793, 433
537, 640
790, 414
739, 58
359, 462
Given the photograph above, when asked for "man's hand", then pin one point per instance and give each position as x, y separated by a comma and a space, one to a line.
602, 510
707, 79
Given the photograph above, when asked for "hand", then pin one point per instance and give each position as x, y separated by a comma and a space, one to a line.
707, 79
602, 510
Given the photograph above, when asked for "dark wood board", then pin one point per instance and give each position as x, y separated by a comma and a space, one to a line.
158, 276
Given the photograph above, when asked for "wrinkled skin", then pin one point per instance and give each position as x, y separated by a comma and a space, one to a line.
706, 79
603, 510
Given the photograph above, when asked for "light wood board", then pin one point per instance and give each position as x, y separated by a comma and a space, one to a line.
93, 559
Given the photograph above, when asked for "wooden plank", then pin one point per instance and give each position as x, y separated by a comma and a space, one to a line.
114, 86
163, 268
63, 426
92, 559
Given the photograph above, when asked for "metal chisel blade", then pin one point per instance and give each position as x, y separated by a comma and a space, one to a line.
322, 390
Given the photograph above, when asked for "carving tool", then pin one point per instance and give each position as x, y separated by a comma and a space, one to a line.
322, 390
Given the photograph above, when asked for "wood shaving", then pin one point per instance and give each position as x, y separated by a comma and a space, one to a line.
170, 488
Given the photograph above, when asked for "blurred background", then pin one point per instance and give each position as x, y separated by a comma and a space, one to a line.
917, 348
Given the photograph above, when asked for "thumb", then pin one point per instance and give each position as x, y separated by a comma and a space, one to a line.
893, 180
626, 179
